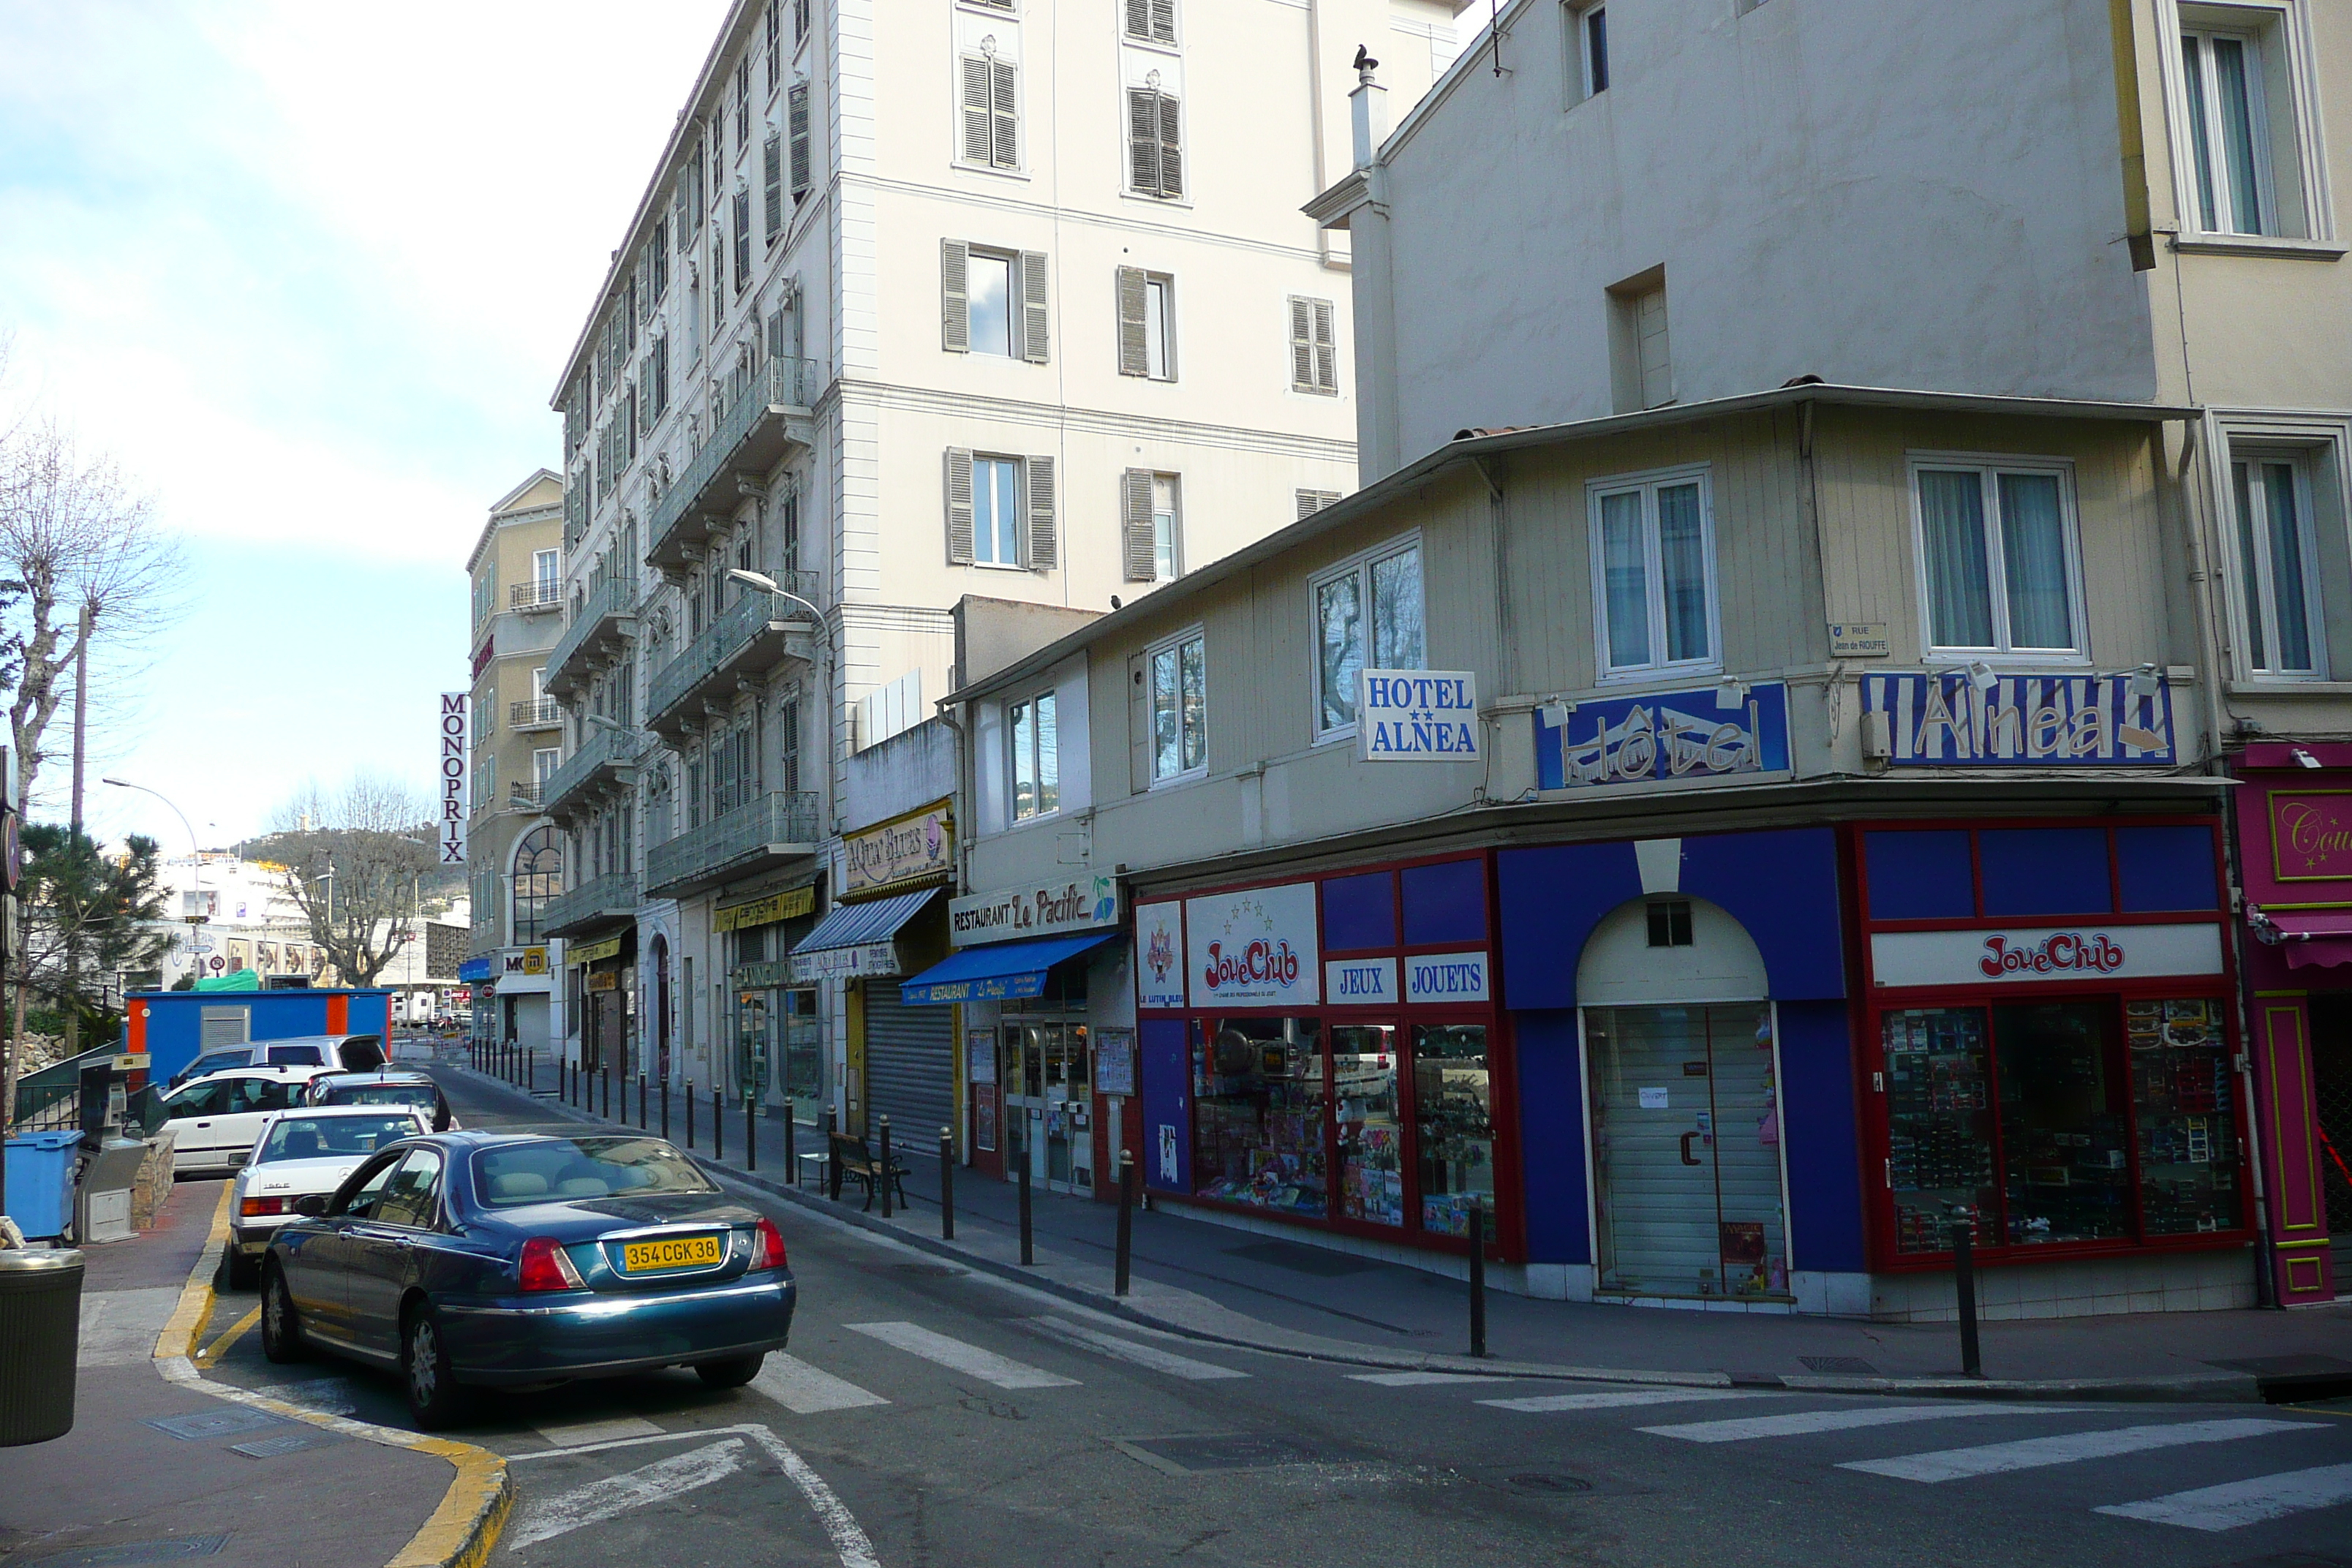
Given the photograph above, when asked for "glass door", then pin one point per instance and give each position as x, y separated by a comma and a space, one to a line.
1049, 1102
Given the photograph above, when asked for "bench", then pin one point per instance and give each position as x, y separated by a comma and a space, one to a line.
852, 1158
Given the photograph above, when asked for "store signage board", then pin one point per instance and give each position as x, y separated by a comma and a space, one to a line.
1416, 716
531, 961
1445, 977
1982, 957
1076, 904
1160, 955
1360, 982
2311, 835
1944, 720
1253, 949
1115, 1061
791, 904
592, 952
1708, 731
454, 764
1860, 639
876, 958
916, 846
979, 1057
765, 975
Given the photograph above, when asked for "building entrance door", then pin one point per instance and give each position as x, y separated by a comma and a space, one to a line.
1043, 1064
1686, 1151
2331, 1092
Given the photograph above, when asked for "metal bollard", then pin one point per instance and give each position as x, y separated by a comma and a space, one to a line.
884, 1177
1964, 1285
718, 1123
1478, 1277
947, 1183
1028, 1255
665, 1110
791, 1150
690, 1113
1126, 1220
831, 1155
750, 1130
642, 1121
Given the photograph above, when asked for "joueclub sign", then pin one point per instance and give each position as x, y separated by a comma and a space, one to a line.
453, 777
1417, 716
1713, 731
1253, 949
1946, 720
2044, 954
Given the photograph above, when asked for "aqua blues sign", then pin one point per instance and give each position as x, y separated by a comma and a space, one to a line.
1417, 716
1714, 731
1946, 719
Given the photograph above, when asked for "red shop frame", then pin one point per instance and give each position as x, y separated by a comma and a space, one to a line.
1872, 1003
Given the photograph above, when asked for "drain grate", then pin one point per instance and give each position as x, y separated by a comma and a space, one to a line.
1228, 1451
177, 1550
1852, 1364
213, 1423
284, 1443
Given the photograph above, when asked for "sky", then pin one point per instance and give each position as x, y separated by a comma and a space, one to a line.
308, 272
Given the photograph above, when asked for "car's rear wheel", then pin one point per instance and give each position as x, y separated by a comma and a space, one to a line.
244, 1272
435, 1397
281, 1325
734, 1372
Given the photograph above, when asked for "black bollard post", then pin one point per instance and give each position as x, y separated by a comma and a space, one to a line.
690, 1113
947, 1184
643, 1120
665, 1110
718, 1123
1964, 1283
885, 1167
831, 1155
1126, 1220
608, 1076
1478, 1277
791, 1148
750, 1130
1028, 1255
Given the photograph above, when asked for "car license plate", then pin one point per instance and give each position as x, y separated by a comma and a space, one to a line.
670, 1252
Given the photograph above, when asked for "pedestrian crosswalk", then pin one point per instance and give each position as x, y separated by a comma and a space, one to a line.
957, 1356
2032, 1453
1805, 1423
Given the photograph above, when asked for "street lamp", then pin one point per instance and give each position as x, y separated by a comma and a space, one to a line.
196, 856
768, 585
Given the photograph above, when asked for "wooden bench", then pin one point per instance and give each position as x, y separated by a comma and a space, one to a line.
852, 1158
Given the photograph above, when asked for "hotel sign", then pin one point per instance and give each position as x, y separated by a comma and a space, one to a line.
1079, 903
1712, 731
1416, 716
1945, 719
919, 847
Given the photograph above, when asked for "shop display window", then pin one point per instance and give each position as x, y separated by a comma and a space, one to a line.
2181, 1083
1371, 1131
2061, 1124
1452, 1105
1261, 1109
803, 1055
1939, 1122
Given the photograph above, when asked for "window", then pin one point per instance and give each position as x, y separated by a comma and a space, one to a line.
742, 239
992, 116
1036, 757
1997, 551
2246, 151
1670, 924
2278, 569
1641, 367
788, 745
801, 22
1001, 510
743, 104
1151, 528
1387, 582
994, 302
1314, 352
990, 278
1155, 141
538, 877
1146, 328
1654, 569
486, 587
797, 126
772, 185
1593, 50
1151, 21
409, 1198
775, 41
1179, 676
1306, 503
543, 763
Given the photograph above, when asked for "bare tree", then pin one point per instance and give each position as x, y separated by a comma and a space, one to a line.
355, 859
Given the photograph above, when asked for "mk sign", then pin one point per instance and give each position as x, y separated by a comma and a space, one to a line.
453, 778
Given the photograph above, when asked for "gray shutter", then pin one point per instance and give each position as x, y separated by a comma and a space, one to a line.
955, 308
798, 99
975, 108
1138, 726
1137, 558
1142, 140
1302, 344
772, 184
958, 507
1326, 350
1004, 106
1309, 503
1171, 147
1163, 21
1134, 299
1139, 19
1037, 478
1034, 315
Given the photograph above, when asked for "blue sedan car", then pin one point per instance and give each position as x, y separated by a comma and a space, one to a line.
466, 1260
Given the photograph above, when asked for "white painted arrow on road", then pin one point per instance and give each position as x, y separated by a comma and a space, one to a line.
616, 1495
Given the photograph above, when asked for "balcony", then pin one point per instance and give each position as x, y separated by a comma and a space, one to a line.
523, 797
758, 631
757, 418
584, 910
756, 836
605, 617
533, 596
604, 761
535, 713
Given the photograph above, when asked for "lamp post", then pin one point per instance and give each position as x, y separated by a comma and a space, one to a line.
196, 857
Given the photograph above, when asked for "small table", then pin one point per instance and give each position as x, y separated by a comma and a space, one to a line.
810, 1162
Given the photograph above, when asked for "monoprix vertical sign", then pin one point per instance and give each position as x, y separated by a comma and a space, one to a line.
453, 777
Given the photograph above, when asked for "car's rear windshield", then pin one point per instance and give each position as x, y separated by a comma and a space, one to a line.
558, 1169
380, 1094
323, 1137
296, 1055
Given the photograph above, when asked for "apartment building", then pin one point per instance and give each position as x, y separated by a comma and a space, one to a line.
1008, 298
513, 858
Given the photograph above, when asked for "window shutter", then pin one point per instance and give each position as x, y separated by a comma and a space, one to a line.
1326, 350
1144, 139
1134, 299
772, 184
955, 308
1139, 19
975, 108
1171, 147
1163, 21
799, 124
1037, 477
1309, 503
958, 507
1033, 312
1004, 105
1138, 560
1302, 344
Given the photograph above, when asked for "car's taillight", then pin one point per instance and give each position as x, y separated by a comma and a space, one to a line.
252, 1208
546, 1266
767, 1247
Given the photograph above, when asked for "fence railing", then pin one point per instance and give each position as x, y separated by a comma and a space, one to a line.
534, 595
611, 893
603, 749
725, 638
778, 817
613, 596
534, 713
737, 403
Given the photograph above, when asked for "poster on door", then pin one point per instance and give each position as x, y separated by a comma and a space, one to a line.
1253, 949
983, 1118
1160, 955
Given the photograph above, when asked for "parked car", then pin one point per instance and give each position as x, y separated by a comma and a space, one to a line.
347, 1053
384, 1087
469, 1260
217, 1118
309, 1150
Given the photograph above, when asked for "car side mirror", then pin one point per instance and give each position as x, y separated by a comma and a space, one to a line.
310, 1205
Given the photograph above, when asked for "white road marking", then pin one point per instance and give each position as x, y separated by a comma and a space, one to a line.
2238, 1504
614, 1495
1149, 1356
1811, 1421
805, 1390
958, 1356
574, 1433
1544, 1402
1423, 1379
2033, 1453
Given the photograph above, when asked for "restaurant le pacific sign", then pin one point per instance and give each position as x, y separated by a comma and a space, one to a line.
1053, 909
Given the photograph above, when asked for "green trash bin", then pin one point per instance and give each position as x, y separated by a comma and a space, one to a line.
40, 1333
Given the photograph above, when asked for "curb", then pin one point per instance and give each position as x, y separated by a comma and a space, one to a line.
460, 1533
2191, 1388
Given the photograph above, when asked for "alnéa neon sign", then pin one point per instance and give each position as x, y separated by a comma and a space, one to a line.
2059, 952
1257, 964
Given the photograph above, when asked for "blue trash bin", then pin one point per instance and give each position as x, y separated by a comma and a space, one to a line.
40, 1183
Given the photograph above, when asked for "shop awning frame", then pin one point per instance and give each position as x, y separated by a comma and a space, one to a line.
855, 925
1001, 972
2309, 938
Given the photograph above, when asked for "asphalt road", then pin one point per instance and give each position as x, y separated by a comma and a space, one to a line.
929, 1414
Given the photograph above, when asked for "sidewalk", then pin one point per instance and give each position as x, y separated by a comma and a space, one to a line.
1208, 1280
165, 1466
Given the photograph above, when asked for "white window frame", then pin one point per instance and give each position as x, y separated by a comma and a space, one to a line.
1192, 634
1576, 40
1649, 482
2004, 651
1163, 319
1014, 815
1019, 465
2175, 18
2255, 574
2324, 447
1359, 566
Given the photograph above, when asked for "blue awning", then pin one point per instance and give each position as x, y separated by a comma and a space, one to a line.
855, 925
998, 972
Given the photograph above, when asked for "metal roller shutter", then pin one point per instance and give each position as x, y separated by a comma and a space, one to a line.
910, 1067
